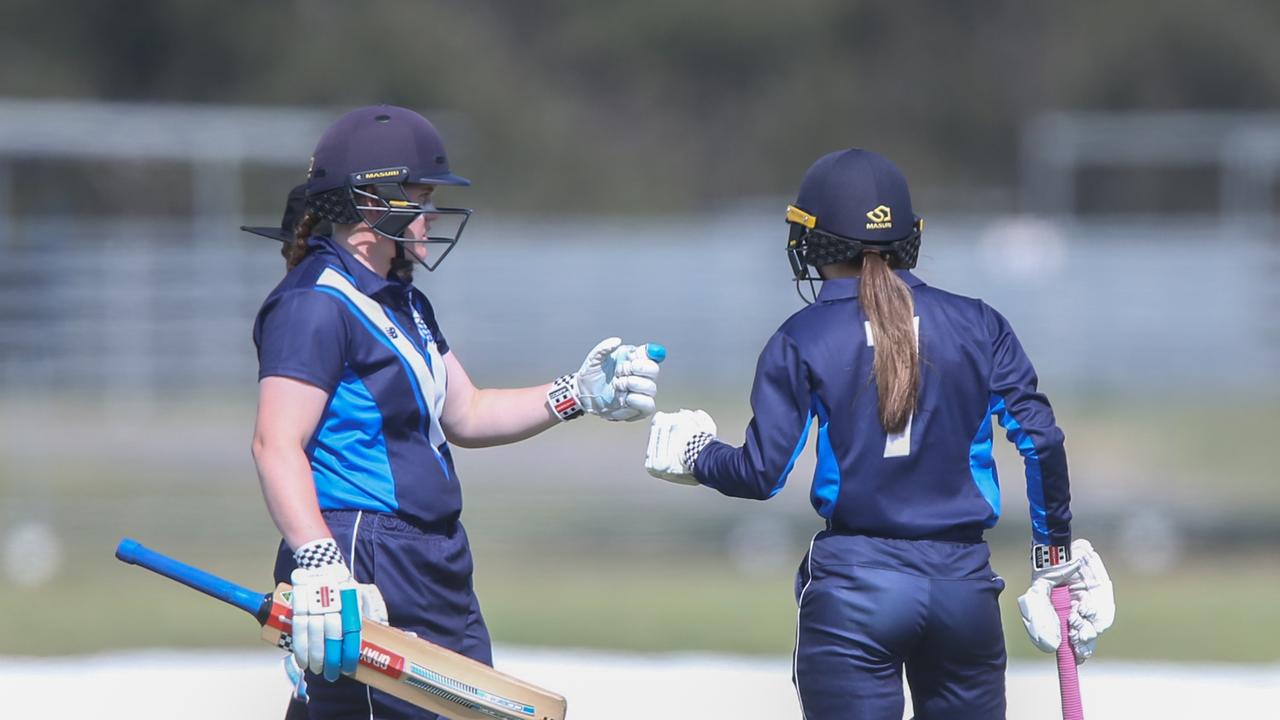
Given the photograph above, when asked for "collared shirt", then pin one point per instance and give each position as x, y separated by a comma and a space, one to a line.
374, 345
935, 480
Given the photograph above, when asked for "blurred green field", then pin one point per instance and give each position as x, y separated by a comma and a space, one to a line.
605, 557
1205, 612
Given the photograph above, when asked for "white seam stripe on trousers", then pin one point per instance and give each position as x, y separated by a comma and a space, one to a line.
795, 654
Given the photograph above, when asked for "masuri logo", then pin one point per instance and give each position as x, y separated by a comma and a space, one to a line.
881, 217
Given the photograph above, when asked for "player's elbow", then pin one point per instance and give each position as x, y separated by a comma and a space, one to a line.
761, 490
462, 440
265, 447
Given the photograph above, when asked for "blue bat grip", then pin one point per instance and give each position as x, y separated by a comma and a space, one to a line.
656, 352
134, 553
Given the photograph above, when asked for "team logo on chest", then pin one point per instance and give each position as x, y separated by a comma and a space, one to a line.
423, 330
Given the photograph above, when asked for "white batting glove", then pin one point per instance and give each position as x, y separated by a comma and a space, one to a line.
1092, 601
615, 382
675, 442
327, 607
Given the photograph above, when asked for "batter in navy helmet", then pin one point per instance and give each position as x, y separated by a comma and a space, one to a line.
360, 399
901, 382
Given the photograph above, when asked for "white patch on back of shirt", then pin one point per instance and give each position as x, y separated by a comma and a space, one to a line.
897, 444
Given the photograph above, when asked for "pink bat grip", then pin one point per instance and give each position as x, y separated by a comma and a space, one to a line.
1068, 677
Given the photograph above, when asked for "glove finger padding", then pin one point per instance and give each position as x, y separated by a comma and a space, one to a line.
333, 651
1083, 636
651, 451
640, 405
315, 643
703, 422
1094, 592
640, 366
1039, 617
658, 460
635, 384
301, 644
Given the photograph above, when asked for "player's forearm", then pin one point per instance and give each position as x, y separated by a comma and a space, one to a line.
290, 493
500, 416
738, 472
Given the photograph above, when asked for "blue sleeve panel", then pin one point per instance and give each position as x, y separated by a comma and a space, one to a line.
776, 435
1029, 423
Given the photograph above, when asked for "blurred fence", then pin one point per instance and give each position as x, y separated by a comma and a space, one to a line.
126, 303
136, 308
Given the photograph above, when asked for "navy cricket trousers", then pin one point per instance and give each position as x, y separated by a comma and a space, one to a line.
870, 607
424, 574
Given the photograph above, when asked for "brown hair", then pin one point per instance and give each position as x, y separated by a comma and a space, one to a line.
887, 302
296, 249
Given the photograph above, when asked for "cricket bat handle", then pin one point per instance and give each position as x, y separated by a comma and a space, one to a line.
1068, 674
135, 553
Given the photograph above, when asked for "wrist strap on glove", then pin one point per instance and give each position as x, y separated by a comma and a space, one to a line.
318, 553
563, 400
1047, 556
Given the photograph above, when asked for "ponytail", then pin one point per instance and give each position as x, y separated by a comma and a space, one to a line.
887, 302
296, 249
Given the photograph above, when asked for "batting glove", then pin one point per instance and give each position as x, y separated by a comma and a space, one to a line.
327, 606
1092, 600
675, 442
615, 382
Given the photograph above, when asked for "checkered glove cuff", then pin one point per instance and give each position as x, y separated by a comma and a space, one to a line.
694, 448
318, 553
562, 398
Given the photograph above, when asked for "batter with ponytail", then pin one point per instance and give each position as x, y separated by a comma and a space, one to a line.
900, 382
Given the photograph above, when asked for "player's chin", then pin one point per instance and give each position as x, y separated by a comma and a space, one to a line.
418, 250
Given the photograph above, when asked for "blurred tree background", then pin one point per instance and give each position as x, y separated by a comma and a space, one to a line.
669, 105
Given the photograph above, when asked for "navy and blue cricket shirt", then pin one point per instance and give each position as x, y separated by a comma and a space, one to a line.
373, 344
936, 480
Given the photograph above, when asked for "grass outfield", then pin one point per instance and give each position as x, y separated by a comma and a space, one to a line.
1206, 612
577, 547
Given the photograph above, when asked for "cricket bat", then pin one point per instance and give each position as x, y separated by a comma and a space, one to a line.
393, 661
1068, 674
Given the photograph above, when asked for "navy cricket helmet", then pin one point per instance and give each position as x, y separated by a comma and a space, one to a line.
851, 202
362, 164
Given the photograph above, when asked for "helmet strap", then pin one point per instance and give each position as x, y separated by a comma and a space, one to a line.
401, 265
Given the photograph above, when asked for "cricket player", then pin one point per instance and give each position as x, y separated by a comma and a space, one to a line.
901, 381
360, 398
